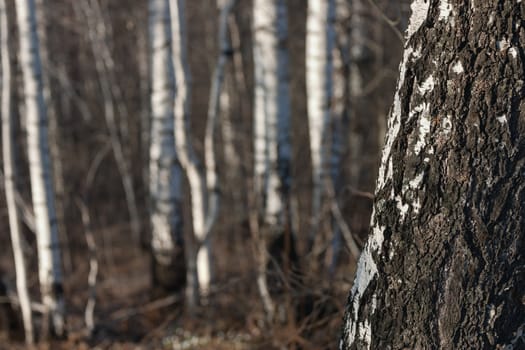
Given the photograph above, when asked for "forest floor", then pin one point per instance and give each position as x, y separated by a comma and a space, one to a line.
127, 316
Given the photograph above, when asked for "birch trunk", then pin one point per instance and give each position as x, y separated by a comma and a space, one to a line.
272, 149
233, 103
320, 40
50, 269
54, 136
444, 265
203, 183
8, 146
165, 174
212, 188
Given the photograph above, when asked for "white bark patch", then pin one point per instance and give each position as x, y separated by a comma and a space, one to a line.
491, 18
502, 44
427, 85
424, 127
393, 124
365, 333
419, 15
458, 68
402, 207
502, 119
416, 182
513, 52
366, 271
444, 10
446, 124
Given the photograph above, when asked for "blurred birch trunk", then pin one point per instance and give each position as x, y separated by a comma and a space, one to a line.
8, 148
320, 42
272, 150
50, 268
203, 181
165, 175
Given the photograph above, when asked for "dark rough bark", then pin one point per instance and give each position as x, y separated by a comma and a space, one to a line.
445, 267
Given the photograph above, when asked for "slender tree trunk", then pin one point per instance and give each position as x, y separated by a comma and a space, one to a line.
272, 151
212, 185
8, 146
203, 183
198, 276
50, 269
320, 41
444, 265
144, 64
339, 126
113, 103
167, 238
54, 136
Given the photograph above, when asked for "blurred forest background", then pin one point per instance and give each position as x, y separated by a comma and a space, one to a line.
90, 196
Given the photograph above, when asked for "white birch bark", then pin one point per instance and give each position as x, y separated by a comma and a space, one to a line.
50, 270
214, 107
198, 280
272, 149
320, 41
165, 175
9, 178
54, 137
203, 184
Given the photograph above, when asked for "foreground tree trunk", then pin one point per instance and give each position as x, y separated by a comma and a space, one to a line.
8, 146
444, 265
49, 264
165, 175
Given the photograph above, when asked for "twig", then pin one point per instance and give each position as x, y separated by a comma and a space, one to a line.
392, 24
93, 266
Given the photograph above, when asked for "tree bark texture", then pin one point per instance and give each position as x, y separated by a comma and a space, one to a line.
444, 265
